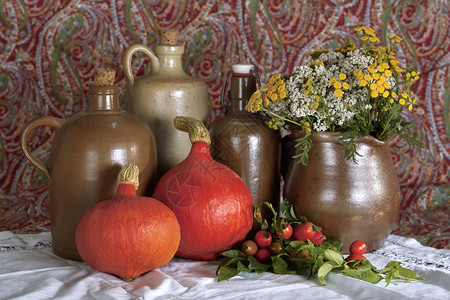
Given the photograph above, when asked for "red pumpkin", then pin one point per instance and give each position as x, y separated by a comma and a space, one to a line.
129, 234
212, 203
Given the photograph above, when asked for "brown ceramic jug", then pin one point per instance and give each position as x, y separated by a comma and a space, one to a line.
165, 93
242, 141
88, 151
350, 201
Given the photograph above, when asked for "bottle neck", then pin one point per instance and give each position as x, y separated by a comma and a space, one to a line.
241, 89
104, 98
170, 57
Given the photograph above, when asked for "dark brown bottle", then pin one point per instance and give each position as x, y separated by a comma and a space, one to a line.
242, 141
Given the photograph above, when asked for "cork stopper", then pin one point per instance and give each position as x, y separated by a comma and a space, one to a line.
104, 77
130, 174
169, 37
196, 129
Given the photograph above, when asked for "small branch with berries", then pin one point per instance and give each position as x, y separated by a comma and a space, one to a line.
291, 245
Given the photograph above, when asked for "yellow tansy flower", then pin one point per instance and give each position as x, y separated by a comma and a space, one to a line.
345, 85
266, 102
380, 89
357, 72
281, 87
371, 69
380, 68
373, 87
359, 28
385, 65
338, 93
391, 100
332, 81
274, 97
342, 76
315, 105
259, 101
405, 95
283, 95
374, 39
257, 107
362, 83
376, 76
386, 94
388, 73
367, 77
386, 85
402, 101
394, 62
398, 39
272, 80
394, 95
337, 85
410, 107
374, 94
364, 38
398, 69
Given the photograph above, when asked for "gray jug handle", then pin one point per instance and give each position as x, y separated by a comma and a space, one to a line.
127, 69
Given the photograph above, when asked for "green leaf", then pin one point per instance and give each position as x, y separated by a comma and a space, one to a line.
372, 277
325, 269
288, 211
226, 273
241, 267
334, 256
233, 253
279, 266
255, 265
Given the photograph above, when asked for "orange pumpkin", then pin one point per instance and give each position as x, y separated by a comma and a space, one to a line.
129, 234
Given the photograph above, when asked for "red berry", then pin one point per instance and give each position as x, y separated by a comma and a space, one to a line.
287, 231
355, 256
358, 247
317, 238
263, 238
262, 255
304, 231
275, 248
249, 247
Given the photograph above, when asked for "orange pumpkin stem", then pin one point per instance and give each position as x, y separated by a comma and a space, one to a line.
196, 129
129, 175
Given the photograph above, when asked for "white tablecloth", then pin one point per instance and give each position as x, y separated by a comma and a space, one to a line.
30, 270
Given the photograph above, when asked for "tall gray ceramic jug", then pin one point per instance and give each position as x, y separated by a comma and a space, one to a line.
165, 93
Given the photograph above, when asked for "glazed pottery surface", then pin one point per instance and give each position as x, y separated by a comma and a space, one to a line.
242, 141
165, 93
88, 151
350, 201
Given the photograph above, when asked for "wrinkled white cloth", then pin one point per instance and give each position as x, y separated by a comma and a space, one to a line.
30, 270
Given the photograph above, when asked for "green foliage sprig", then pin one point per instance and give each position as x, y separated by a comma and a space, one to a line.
305, 258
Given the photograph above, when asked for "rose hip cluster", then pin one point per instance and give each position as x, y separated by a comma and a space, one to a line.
263, 245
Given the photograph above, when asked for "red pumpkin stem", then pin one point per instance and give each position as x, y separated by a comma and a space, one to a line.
128, 180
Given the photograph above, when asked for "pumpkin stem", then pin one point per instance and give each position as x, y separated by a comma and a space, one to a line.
130, 174
196, 129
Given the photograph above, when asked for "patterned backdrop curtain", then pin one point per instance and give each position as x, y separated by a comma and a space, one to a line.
49, 49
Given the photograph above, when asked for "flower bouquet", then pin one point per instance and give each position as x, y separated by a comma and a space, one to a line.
353, 91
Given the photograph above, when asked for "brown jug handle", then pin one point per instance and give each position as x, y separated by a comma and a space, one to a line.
155, 65
44, 121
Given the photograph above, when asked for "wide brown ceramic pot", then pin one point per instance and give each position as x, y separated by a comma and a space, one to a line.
88, 151
350, 201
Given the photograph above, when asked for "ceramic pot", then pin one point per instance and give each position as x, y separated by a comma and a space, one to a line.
242, 141
165, 93
350, 201
88, 151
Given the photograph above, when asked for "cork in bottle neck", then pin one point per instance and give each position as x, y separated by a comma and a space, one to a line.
103, 94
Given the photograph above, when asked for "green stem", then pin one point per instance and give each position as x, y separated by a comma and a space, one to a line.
387, 123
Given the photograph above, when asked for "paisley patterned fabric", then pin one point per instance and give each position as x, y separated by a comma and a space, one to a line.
49, 49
